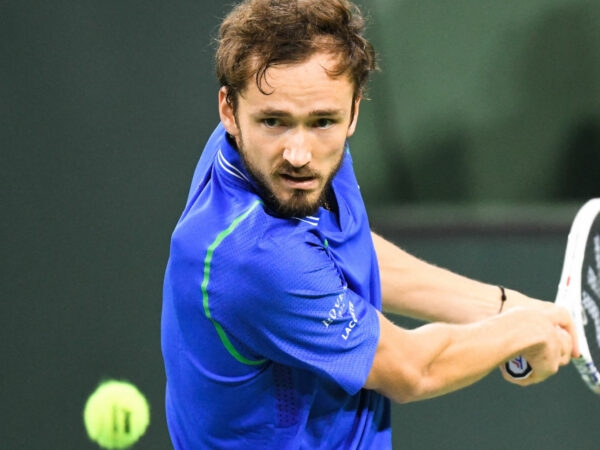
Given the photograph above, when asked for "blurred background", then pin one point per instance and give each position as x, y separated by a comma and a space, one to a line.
480, 140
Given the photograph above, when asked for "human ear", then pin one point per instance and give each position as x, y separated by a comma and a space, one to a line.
227, 114
354, 118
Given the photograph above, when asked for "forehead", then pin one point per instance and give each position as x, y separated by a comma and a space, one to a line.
306, 83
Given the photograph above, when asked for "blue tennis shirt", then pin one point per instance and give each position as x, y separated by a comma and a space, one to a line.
269, 324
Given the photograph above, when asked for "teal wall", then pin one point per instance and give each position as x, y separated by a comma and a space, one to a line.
105, 106
483, 101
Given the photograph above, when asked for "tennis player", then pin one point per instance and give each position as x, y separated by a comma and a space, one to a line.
272, 329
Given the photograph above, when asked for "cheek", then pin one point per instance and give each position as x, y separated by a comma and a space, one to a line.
336, 151
260, 153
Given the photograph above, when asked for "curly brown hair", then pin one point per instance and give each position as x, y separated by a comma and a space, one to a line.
258, 34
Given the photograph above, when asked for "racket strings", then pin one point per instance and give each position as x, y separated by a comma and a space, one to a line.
597, 255
591, 308
593, 270
590, 298
593, 282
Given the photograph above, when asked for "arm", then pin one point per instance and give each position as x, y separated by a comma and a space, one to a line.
439, 358
413, 288
435, 359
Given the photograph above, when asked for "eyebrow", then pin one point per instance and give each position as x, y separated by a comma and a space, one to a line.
314, 113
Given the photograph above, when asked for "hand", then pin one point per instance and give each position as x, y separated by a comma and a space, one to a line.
557, 346
518, 300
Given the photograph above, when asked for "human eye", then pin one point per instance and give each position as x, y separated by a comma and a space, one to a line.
323, 123
271, 122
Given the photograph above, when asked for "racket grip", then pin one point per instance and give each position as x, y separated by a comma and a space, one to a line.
518, 368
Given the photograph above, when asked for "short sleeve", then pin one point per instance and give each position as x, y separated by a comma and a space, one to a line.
292, 305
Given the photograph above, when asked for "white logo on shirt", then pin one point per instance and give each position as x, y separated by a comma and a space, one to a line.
351, 324
338, 310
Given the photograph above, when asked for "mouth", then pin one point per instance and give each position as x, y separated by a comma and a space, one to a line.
299, 182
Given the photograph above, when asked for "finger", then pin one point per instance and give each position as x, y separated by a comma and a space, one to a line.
566, 342
566, 322
575, 353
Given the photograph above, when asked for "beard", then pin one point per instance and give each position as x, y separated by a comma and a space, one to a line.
301, 203
298, 205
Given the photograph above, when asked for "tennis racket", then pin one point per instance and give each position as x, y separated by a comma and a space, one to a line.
579, 293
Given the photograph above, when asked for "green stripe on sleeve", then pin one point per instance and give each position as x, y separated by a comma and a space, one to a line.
205, 300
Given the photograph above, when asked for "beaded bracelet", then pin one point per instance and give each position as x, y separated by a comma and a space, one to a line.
502, 298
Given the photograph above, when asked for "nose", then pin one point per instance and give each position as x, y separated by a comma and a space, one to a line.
297, 157
297, 152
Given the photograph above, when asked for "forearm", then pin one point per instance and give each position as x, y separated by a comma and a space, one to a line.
452, 356
435, 359
415, 288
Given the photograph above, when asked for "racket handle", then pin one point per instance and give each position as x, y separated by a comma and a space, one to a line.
518, 368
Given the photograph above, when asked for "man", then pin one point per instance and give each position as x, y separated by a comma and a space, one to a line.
272, 330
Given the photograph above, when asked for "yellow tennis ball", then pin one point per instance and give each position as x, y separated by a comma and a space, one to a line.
116, 415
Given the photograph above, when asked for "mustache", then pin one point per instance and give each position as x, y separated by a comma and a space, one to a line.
285, 168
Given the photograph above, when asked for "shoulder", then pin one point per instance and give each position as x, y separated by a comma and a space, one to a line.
276, 251
266, 258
